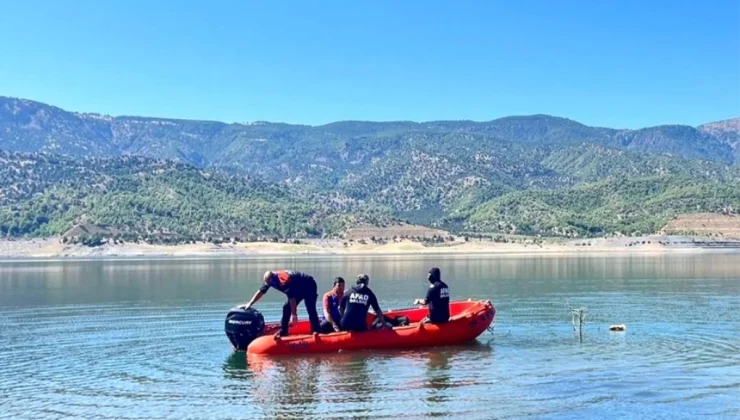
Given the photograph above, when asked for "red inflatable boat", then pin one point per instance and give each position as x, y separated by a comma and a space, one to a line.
468, 320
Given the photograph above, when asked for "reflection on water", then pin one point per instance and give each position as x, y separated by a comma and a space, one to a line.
94, 282
235, 367
133, 339
438, 378
355, 383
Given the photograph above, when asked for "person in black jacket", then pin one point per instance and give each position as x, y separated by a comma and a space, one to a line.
438, 299
297, 287
355, 304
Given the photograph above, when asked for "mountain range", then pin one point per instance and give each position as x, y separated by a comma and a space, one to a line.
535, 174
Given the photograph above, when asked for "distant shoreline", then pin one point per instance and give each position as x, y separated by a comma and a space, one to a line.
53, 249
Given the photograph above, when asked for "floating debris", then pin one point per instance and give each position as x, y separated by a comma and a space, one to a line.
617, 327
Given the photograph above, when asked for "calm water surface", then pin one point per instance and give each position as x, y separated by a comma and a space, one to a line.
144, 339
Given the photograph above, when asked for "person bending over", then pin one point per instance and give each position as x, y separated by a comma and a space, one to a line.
297, 287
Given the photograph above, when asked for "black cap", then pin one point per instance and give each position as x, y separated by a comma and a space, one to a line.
338, 280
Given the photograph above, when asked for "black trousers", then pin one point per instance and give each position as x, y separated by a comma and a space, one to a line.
357, 328
309, 298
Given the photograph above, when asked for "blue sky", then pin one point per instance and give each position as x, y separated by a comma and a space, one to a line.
623, 64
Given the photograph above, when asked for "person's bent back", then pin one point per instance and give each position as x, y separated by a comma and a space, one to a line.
297, 287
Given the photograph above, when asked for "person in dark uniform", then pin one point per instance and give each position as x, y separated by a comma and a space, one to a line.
332, 317
297, 287
355, 304
438, 299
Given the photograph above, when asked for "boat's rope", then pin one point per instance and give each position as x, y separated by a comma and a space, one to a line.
490, 329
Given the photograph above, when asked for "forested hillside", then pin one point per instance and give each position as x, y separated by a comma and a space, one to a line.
43, 194
528, 174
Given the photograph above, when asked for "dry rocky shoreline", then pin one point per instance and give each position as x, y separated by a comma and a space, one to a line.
54, 248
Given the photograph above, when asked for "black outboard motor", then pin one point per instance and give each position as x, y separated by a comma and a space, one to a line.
242, 326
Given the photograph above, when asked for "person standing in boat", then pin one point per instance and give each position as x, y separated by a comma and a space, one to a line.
332, 317
438, 299
298, 287
355, 304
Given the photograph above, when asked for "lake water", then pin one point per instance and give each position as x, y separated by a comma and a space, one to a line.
144, 339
